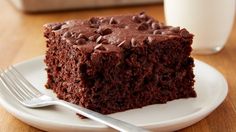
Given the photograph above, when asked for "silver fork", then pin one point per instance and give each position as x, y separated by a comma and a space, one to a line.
30, 97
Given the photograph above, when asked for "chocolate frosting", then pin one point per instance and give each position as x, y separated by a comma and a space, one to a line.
117, 32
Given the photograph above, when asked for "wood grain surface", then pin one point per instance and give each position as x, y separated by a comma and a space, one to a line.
21, 38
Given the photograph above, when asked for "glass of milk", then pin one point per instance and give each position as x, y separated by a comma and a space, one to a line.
210, 21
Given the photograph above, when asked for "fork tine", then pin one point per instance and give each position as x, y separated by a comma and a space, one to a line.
12, 82
11, 88
24, 81
18, 83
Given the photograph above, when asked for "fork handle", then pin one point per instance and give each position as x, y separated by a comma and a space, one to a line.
109, 121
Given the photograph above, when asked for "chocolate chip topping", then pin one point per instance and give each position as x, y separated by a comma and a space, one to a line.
66, 35
94, 25
124, 32
94, 37
56, 27
143, 26
156, 32
100, 47
104, 41
142, 12
149, 21
104, 21
82, 36
155, 25
113, 21
94, 22
80, 41
167, 32
105, 31
143, 17
184, 33
136, 19
175, 29
99, 39
163, 26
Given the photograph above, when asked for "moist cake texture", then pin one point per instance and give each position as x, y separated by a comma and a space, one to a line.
116, 63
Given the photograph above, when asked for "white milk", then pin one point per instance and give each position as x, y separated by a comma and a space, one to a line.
209, 20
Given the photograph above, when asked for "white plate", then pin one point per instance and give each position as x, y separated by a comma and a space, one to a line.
211, 88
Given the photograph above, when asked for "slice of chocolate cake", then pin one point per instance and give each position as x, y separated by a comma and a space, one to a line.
112, 64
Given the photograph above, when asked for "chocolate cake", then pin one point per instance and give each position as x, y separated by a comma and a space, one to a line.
116, 63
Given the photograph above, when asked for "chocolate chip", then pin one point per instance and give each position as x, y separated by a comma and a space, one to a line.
94, 37
184, 33
175, 29
143, 26
155, 25
134, 43
105, 31
94, 25
156, 32
99, 39
56, 27
136, 19
104, 41
149, 22
82, 36
94, 22
143, 17
121, 44
66, 35
104, 21
113, 21
141, 13
167, 32
163, 26
80, 41
100, 47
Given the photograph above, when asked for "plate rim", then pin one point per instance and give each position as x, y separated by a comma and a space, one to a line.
23, 116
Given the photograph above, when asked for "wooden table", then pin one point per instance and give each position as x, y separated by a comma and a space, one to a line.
21, 38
